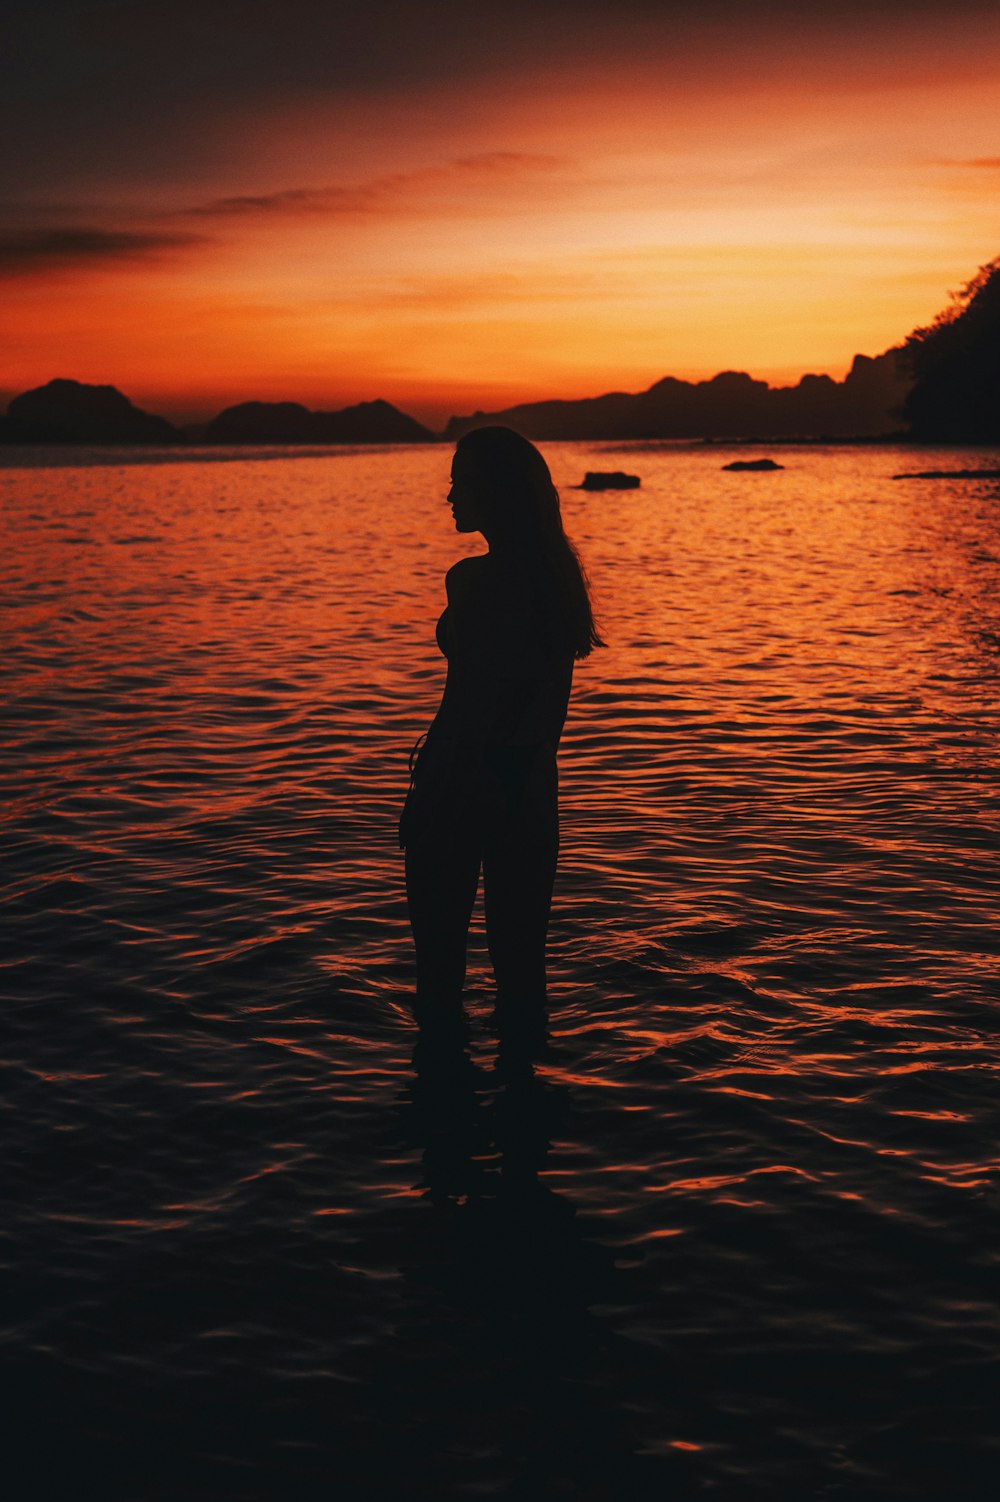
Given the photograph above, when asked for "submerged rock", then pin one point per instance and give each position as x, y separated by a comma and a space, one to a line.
755, 464
596, 479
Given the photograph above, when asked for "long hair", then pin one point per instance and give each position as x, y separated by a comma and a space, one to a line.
522, 499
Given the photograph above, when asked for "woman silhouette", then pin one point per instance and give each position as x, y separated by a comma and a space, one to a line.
484, 788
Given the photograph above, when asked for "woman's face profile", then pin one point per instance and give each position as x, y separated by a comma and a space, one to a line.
466, 497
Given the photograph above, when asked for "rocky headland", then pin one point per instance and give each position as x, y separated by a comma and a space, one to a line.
955, 395
867, 403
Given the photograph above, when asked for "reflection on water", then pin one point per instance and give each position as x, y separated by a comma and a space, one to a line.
499, 1298
735, 1230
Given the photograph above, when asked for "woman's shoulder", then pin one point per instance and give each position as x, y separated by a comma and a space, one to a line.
467, 574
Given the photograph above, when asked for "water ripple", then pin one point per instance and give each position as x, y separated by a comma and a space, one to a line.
737, 1232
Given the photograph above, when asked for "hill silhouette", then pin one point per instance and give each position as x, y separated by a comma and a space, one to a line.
868, 402
944, 381
955, 363
70, 412
288, 422
65, 411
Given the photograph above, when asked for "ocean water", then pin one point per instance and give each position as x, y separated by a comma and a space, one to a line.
736, 1236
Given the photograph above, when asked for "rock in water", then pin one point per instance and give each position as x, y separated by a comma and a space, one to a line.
755, 464
951, 474
596, 479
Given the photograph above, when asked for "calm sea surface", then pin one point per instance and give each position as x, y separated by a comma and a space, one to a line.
737, 1236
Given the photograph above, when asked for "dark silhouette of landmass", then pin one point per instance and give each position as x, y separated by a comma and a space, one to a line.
951, 474
955, 363
944, 382
288, 422
867, 403
70, 412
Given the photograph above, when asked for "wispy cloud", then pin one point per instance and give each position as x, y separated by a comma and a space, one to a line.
75, 245
503, 162
289, 201
975, 163
379, 194
68, 237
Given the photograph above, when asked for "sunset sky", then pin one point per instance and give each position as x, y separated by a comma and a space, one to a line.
465, 205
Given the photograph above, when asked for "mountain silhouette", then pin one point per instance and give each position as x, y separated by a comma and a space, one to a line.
868, 402
66, 411
944, 381
70, 412
288, 422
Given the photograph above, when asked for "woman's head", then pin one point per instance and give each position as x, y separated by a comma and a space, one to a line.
501, 487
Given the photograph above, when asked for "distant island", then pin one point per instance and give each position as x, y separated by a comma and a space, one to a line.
65, 411
287, 422
732, 405
868, 402
69, 412
942, 385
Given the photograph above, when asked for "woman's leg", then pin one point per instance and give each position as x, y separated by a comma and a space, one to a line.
519, 866
443, 857
441, 879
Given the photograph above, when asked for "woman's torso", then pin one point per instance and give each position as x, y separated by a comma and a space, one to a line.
509, 678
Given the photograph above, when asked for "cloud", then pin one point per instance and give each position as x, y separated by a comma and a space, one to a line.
71, 246
378, 193
288, 201
61, 239
503, 162
104, 94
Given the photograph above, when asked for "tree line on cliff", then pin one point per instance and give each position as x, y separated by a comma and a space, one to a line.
955, 365
941, 385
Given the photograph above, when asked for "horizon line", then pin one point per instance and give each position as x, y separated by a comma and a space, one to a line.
9, 393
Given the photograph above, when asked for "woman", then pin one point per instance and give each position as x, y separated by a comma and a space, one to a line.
484, 789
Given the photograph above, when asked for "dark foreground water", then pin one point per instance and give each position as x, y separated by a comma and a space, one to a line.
737, 1236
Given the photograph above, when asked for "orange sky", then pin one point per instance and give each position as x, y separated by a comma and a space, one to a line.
487, 226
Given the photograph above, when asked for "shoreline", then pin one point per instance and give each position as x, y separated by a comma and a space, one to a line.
95, 454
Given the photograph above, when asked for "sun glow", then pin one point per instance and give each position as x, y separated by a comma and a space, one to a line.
478, 243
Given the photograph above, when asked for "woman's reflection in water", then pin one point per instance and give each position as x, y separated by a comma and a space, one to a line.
523, 1390
482, 1137
484, 790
